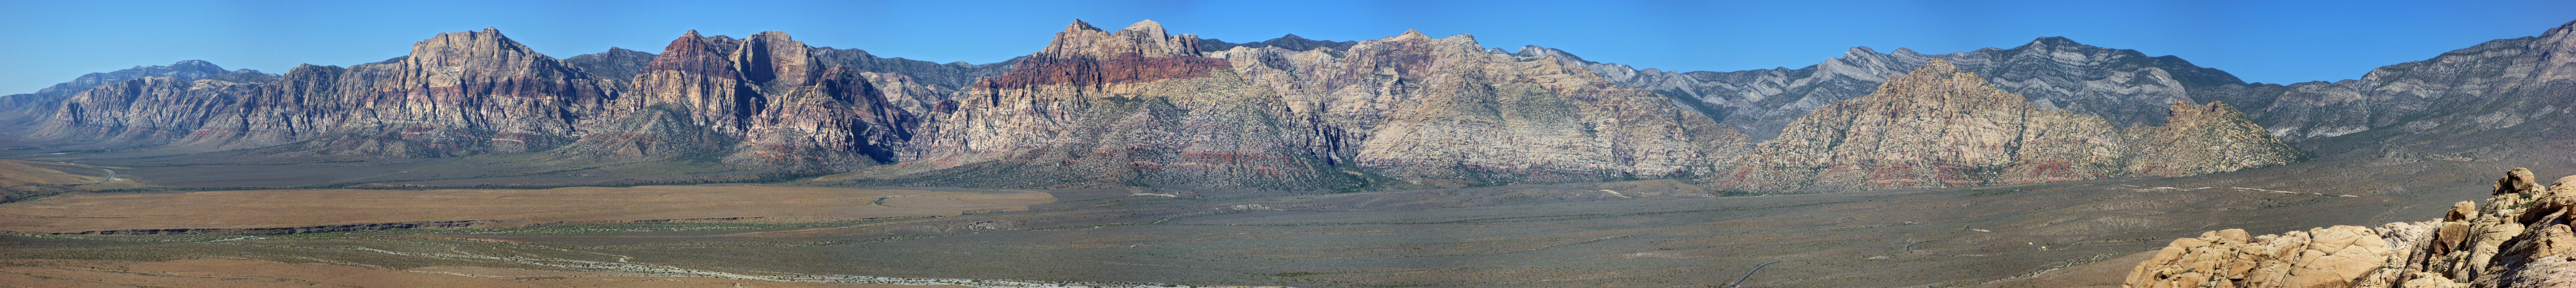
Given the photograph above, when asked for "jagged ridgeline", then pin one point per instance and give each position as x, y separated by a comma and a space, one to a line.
2518, 238
1136, 106
1139, 106
1941, 127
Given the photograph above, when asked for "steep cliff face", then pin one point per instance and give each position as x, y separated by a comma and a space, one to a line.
759, 102
150, 110
2518, 238
455, 94
1142, 106
1139, 106
1447, 112
42, 102
460, 93
2463, 103
2124, 87
1136, 106
1940, 126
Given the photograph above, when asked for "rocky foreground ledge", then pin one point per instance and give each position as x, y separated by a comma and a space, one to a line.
2519, 238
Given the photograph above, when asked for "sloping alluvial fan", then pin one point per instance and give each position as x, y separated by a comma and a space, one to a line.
1139, 106
2518, 238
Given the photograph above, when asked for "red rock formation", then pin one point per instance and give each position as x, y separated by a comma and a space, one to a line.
1141, 107
470, 93
763, 101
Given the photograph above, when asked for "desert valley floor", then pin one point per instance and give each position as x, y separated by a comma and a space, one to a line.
1651, 233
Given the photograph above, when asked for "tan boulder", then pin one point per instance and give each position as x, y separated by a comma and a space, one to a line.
2520, 238
2518, 181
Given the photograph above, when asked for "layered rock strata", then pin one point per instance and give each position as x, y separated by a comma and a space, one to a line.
1141, 106
456, 94
38, 105
471, 93
2463, 103
1138, 106
761, 101
1940, 126
2125, 87
2518, 238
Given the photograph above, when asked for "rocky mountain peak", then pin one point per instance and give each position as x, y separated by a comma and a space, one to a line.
1145, 39
1149, 27
1860, 51
2558, 42
1943, 126
1535, 51
194, 65
774, 56
1902, 51
1944, 82
460, 58
2055, 41
1078, 25
1942, 88
458, 49
184, 69
468, 39
695, 54
1410, 34
2562, 32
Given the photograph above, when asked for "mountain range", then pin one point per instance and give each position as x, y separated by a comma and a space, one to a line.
1140, 106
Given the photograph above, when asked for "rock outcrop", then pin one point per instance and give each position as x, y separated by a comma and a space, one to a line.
456, 94
762, 102
2125, 87
1939, 126
2465, 104
38, 105
2518, 238
1137, 106
1140, 106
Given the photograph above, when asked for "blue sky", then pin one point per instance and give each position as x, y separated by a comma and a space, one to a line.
2269, 41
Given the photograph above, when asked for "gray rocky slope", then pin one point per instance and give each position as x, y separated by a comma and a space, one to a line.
2444, 108
1140, 106
183, 70
2123, 86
